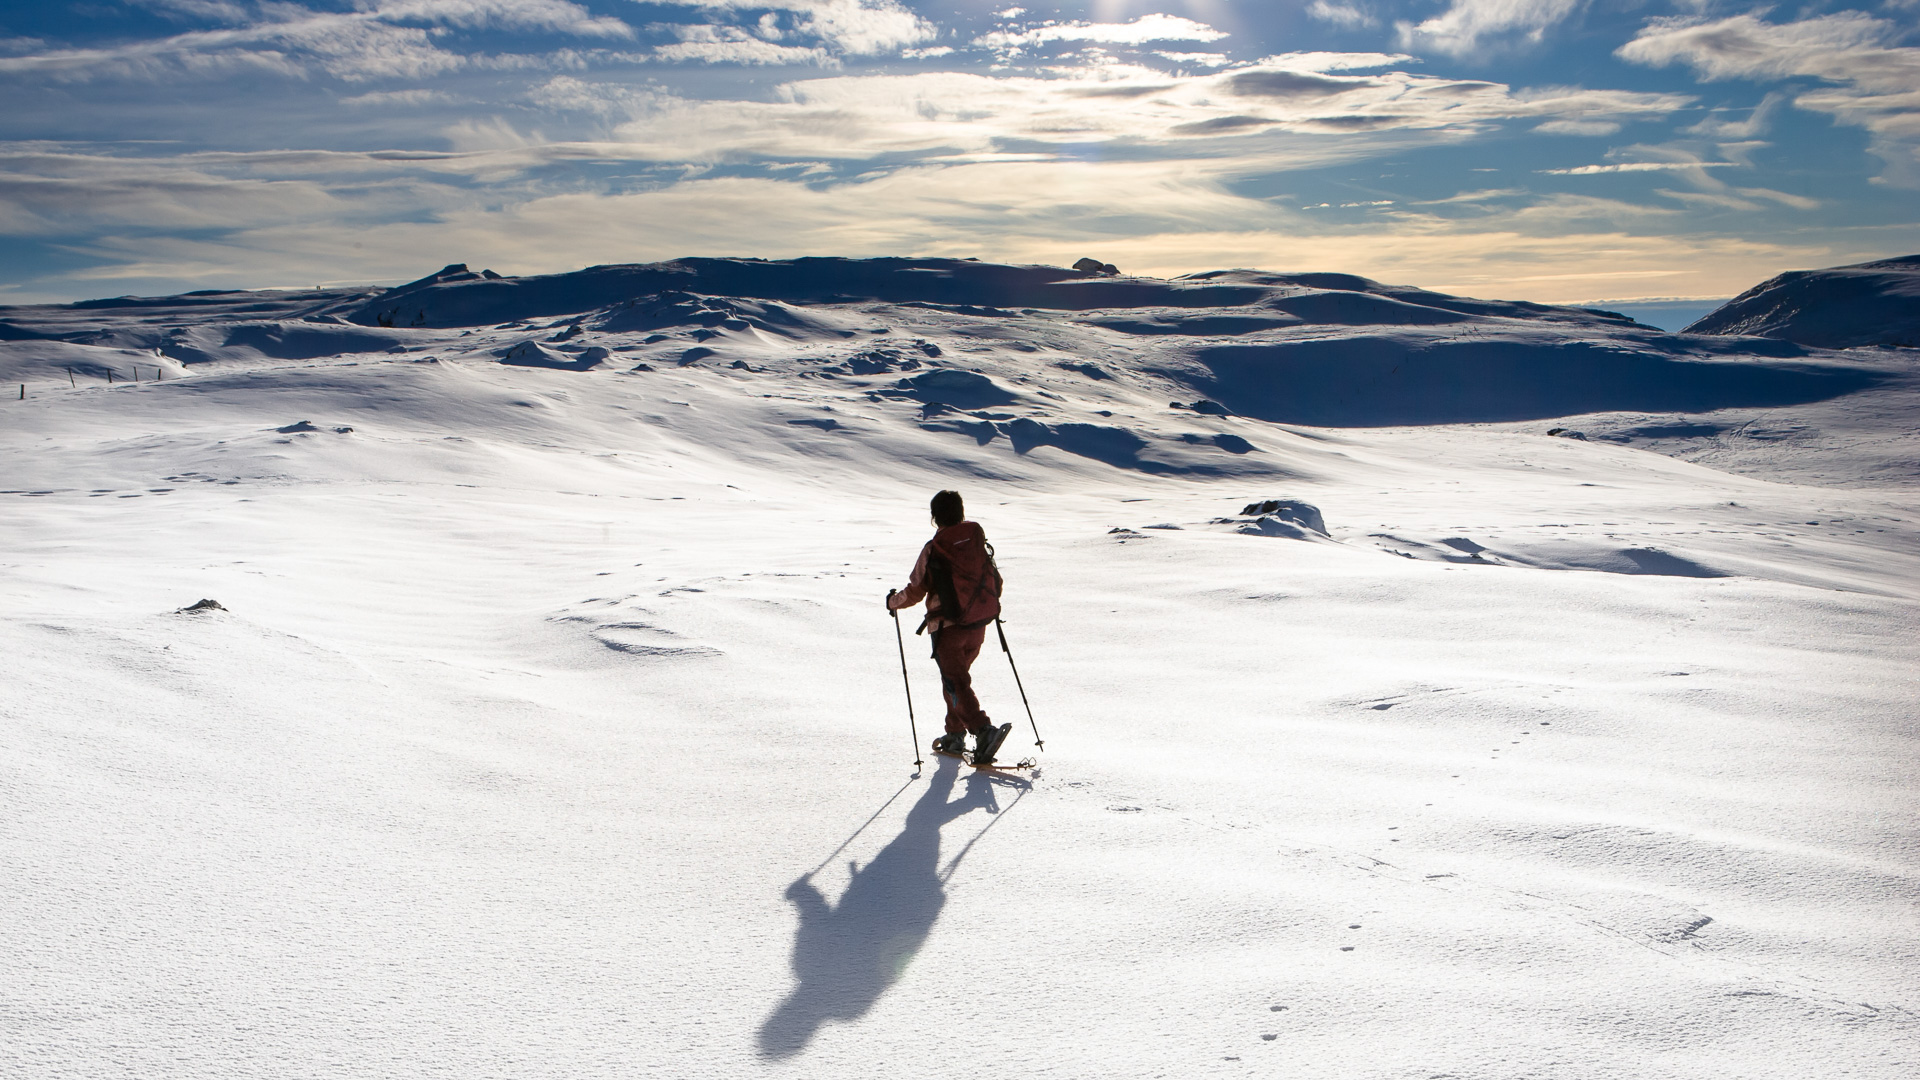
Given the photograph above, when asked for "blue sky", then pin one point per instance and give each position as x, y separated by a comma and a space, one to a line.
1555, 150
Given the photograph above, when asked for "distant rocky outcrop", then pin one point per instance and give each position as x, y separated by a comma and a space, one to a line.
457, 297
1841, 307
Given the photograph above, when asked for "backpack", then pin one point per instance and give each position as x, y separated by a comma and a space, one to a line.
962, 573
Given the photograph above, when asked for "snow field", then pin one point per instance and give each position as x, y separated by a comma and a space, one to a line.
554, 728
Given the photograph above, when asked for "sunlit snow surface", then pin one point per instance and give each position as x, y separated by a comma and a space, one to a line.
553, 726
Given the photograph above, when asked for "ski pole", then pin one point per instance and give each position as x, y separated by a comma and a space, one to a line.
902, 642
1037, 740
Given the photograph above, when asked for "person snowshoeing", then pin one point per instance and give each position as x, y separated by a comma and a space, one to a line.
956, 576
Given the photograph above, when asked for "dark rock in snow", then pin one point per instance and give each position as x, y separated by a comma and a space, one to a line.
203, 605
1292, 511
878, 361
1095, 266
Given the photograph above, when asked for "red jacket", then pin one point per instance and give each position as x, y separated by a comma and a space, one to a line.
962, 551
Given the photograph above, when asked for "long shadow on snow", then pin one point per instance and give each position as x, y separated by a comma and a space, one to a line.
848, 953
1379, 381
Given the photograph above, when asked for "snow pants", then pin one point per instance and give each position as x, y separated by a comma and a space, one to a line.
954, 650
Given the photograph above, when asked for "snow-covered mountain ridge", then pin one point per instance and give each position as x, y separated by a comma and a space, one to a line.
1314, 349
1841, 307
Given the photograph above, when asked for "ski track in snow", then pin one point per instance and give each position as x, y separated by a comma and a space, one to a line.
551, 725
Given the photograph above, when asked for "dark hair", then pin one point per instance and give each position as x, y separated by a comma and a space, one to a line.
948, 509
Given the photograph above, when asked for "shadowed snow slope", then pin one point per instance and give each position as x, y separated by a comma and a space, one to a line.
1842, 307
549, 724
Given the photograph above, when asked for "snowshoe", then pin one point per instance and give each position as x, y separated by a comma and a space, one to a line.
987, 743
954, 744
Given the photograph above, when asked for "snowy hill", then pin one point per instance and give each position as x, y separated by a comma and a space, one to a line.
1404, 715
1842, 307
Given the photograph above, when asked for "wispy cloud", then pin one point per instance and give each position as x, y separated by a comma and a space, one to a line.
1742, 199
1578, 127
377, 41
849, 27
715, 44
1149, 217
856, 117
1639, 166
1474, 26
1145, 29
557, 16
1346, 16
1875, 83
400, 98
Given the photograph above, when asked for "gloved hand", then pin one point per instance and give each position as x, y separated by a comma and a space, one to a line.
890, 593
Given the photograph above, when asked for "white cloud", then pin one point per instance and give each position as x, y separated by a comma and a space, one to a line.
564, 93
1345, 16
53, 193
1578, 127
387, 98
1875, 83
1741, 198
869, 116
1638, 166
1334, 61
1140, 31
1716, 199
491, 133
1167, 217
716, 44
853, 27
1472, 26
1798, 202
1200, 59
371, 42
1759, 120
1156, 218
558, 16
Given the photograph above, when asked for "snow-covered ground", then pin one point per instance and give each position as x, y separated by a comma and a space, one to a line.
553, 726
